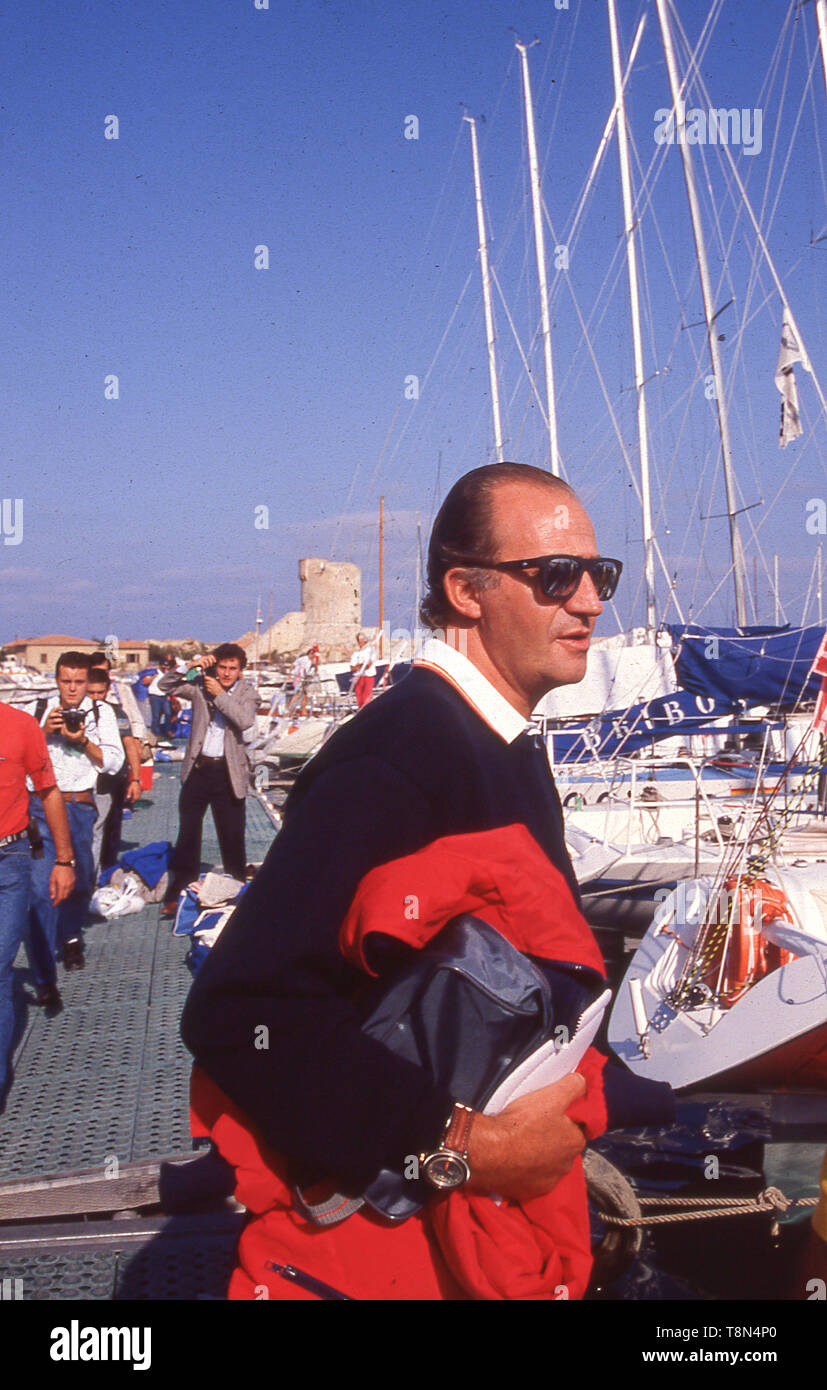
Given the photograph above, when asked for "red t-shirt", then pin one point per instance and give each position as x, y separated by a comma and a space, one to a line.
22, 751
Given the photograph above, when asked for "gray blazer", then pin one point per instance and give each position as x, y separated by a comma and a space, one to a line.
239, 709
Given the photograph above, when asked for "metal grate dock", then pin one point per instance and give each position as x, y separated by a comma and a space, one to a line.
180, 1258
108, 1079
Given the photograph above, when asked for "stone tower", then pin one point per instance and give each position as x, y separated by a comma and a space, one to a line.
331, 614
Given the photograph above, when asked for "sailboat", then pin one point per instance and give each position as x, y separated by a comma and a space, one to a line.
729, 986
739, 999
682, 811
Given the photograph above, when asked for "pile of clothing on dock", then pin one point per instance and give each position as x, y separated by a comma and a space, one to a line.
204, 908
141, 877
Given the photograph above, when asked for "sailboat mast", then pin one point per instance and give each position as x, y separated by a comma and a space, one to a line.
679, 109
486, 292
540, 249
258, 630
631, 262
418, 577
381, 572
821, 20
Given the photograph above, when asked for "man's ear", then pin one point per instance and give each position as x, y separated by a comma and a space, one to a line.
462, 592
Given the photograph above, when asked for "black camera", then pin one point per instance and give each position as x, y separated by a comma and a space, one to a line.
74, 720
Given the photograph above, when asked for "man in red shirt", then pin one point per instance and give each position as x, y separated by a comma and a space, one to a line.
23, 753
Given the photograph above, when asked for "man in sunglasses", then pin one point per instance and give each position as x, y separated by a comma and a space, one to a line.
515, 587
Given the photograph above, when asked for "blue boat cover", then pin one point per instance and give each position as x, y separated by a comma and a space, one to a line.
626, 732
756, 665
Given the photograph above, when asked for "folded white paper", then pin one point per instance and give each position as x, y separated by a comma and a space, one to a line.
550, 1062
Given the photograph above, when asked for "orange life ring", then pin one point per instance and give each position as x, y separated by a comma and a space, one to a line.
748, 955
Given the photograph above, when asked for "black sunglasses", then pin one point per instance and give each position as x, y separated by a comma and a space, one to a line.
560, 575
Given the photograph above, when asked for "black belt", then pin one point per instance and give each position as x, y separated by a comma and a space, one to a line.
205, 758
11, 839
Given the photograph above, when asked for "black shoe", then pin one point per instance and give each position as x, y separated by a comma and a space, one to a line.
48, 998
73, 958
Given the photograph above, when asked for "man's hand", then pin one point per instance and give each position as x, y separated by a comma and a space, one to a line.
203, 661
212, 686
133, 791
53, 723
525, 1150
61, 883
77, 737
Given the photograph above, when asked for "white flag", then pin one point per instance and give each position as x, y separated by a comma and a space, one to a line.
789, 352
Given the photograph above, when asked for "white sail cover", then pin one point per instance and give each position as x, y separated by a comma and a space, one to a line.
617, 678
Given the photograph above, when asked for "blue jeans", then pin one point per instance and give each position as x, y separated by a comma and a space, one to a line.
161, 714
50, 926
15, 894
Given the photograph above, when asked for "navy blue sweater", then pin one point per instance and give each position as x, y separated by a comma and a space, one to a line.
414, 766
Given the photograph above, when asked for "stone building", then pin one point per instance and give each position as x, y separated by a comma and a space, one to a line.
331, 614
42, 652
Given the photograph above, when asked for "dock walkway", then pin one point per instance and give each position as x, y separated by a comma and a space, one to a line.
107, 1079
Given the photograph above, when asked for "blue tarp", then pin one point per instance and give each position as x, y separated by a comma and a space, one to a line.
608, 734
756, 665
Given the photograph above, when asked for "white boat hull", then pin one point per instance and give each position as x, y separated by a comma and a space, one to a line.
775, 1033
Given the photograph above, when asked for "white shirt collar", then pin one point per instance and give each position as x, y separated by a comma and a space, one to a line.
474, 687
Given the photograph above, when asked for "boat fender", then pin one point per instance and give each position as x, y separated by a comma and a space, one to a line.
611, 1193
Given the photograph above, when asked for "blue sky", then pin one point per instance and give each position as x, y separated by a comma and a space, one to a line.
284, 387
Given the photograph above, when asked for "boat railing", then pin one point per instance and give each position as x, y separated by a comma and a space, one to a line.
629, 784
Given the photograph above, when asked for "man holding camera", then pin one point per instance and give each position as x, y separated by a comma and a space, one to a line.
83, 741
216, 770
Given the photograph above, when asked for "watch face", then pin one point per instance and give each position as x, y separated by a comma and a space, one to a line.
445, 1170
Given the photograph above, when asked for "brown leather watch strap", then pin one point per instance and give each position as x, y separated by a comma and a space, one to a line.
458, 1132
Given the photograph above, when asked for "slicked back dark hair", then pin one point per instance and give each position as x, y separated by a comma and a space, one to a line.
98, 675
463, 530
74, 661
230, 651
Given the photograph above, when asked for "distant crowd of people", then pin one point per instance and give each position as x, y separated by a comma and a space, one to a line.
71, 764
305, 672
68, 767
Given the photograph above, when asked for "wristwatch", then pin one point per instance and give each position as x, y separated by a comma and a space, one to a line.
447, 1167
65, 863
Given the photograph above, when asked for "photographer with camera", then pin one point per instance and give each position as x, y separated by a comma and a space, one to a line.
83, 741
216, 768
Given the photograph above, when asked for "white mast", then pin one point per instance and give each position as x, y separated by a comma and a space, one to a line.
821, 19
258, 630
631, 261
540, 248
418, 600
486, 292
679, 111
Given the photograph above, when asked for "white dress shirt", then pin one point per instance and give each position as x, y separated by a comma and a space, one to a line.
213, 745
74, 771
